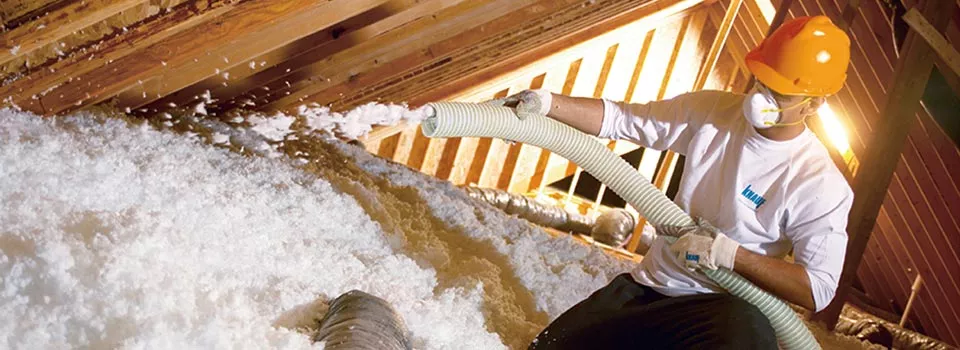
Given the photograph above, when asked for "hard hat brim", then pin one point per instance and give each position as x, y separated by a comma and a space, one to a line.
769, 77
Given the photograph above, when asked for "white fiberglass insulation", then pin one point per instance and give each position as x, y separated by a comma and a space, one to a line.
118, 235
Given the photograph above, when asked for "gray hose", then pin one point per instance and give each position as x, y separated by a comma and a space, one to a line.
452, 119
357, 320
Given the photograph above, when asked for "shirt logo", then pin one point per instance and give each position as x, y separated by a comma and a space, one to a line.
753, 197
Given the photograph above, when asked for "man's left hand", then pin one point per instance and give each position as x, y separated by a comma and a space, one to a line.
701, 245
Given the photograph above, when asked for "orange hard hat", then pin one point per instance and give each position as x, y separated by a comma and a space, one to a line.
806, 56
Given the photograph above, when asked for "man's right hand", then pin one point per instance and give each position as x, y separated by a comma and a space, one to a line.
527, 102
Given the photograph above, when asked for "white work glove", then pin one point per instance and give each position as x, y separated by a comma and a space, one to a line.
701, 246
527, 102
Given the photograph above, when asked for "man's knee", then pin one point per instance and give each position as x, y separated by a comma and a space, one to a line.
744, 323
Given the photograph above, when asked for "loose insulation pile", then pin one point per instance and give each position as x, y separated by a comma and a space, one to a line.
194, 232
119, 234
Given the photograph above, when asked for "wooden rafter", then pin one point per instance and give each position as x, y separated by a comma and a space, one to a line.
388, 54
778, 19
58, 24
260, 25
290, 64
26, 92
668, 164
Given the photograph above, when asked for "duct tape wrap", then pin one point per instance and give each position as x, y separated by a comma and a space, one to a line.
357, 320
613, 227
452, 119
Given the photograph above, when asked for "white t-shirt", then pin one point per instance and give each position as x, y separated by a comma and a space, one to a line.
768, 195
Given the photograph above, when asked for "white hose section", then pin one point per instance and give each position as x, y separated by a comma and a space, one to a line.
454, 119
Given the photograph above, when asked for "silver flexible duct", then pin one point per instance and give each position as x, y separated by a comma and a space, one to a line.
360, 321
876, 330
451, 119
531, 210
612, 227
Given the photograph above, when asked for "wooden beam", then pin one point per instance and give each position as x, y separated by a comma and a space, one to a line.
264, 25
285, 65
723, 31
248, 52
58, 24
934, 39
27, 91
17, 12
848, 14
778, 20
645, 14
910, 78
387, 52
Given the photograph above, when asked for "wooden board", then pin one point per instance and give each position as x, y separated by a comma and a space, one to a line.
26, 92
240, 24
62, 22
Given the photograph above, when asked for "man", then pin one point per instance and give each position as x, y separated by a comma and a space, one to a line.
759, 183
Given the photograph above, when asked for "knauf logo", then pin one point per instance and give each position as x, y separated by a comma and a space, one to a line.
753, 196
693, 257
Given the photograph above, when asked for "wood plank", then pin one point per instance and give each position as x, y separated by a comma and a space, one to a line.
628, 14
448, 158
917, 243
405, 145
783, 10
284, 65
58, 24
713, 55
937, 42
927, 164
241, 24
431, 160
387, 147
379, 51
17, 12
529, 157
910, 79
475, 171
585, 86
27, 91
257, 50
560, 81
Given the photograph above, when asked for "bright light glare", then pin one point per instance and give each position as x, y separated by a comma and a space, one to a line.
835, 130
767, 10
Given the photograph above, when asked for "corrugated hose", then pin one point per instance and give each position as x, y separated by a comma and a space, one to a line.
455, 119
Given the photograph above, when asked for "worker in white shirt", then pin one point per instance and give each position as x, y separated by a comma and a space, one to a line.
759, 183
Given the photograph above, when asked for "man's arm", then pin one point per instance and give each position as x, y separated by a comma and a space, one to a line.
584, 114
784, 279
661, 125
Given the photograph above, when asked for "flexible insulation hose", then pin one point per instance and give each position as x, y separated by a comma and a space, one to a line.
454, 119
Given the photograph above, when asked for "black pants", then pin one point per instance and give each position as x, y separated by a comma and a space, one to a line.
628, 315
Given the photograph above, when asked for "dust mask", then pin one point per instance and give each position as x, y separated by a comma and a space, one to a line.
760, 108
763, 111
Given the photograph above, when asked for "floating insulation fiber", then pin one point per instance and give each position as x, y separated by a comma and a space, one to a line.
120, 235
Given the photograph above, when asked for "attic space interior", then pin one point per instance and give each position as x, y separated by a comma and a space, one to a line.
243, 173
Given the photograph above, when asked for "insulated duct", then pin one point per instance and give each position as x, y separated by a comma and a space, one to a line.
876, 330
531, 210
360, 321
612, 227
453, 119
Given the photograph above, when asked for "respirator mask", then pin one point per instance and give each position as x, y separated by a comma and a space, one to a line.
762, 110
